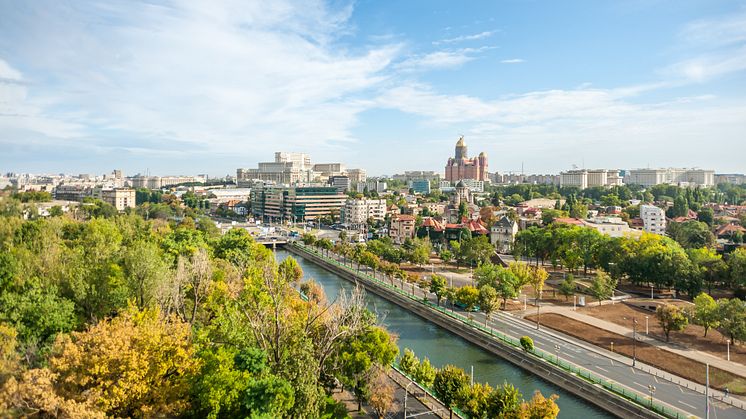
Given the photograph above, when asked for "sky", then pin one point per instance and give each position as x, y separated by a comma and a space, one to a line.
191, 87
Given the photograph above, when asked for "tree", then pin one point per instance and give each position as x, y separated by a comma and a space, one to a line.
475, 400
381, 391
450, 382
527, 343
540, 407
680, 207
732, 315
705, 312
290, 271
425, 373
504, 402
567, 286
438, 286
145, 270
737, 266
343, 236
446, 255
691, 234
467, 296
408, 362
602, 286
671, 318
137, 364
538, 277
489, 302
706, 215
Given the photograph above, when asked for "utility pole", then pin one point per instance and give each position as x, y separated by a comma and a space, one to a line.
634, 342
707, 391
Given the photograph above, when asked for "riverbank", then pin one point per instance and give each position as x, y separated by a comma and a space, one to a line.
571, 378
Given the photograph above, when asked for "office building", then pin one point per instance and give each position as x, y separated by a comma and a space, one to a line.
341, 183
296, 203
590, 178
421, 186
357, 176
732, 178
120, 198
411, 175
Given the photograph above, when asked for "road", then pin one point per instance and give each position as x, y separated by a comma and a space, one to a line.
615, 367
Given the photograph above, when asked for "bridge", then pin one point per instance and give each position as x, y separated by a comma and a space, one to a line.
273, 242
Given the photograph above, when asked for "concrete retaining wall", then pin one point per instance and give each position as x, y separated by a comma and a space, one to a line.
592, 393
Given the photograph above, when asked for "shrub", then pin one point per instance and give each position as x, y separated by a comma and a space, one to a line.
527, 343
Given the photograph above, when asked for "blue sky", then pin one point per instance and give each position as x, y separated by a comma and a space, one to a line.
190, 87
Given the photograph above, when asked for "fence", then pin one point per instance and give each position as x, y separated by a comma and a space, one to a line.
633, 396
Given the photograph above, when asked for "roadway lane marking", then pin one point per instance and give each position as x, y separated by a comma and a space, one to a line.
687, 404
602, 369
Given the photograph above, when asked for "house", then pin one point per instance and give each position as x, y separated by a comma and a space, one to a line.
502, 234
727, 231
402, 228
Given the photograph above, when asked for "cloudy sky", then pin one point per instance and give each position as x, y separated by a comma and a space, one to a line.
188, 87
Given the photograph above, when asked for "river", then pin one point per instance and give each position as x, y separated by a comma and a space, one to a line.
443, 347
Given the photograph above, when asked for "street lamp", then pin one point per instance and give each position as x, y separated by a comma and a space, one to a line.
651, 388
651, 292
557, 350
634, 341
728, 343
406, 393
646, 325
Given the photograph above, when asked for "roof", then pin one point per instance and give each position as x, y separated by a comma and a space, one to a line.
403, 217
729, 229
461, 142
433, 223
567, 220
505, 222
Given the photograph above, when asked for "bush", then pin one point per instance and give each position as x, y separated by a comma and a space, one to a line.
527, 343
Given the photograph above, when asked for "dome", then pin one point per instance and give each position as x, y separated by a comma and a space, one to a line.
461, 142
460, 184
483, 154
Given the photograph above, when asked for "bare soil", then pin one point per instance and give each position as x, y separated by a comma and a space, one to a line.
673, 363
691, 338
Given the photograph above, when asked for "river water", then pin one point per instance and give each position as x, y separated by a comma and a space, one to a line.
443, 347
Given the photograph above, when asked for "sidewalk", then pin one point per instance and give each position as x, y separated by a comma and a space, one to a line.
699, 356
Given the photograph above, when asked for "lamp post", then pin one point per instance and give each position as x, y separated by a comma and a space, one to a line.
634, 342
557, 350
406, 393
651, 292
651, 388
727, 342
574, 302
646, 325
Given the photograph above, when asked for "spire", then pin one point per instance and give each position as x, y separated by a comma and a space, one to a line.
461, 151
461, 142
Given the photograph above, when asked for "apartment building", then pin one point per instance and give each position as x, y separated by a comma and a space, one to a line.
673, 176
357, 212
590, 178
120, 198
402, 228
653, 219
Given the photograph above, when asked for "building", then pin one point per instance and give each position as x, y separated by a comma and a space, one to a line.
611, 226
411, 175
420, 186
590, 178
377, 185
502, 234
402, 228
340, 183
357, 176
296, 203
732, 178
462, 167
357, 212
673, 176
653, 219
120, 198
288, 168
158, 182
71, 192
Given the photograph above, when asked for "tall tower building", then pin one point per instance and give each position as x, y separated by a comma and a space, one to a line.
462, 167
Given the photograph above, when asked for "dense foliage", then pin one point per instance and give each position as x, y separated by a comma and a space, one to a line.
118, 315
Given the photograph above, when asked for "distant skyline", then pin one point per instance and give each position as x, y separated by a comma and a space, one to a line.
189, 87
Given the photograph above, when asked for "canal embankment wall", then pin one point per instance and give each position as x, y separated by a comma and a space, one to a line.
578, 386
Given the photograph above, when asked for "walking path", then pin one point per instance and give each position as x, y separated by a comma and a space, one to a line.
693, 354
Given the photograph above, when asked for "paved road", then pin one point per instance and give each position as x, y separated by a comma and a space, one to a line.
683, 397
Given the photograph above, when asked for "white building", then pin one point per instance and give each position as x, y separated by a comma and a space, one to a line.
653, 219
590, 178
120, 198
611, 226
357, 212
502, 234
673, 176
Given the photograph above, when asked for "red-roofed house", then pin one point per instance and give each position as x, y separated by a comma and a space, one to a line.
727, 231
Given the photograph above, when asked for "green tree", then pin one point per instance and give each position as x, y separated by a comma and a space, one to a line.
409, 362
527, 343
449, 384
602, 286
446, 255
489, 302
680, 207
467, 296
567, 286
425, 373
705, 312
504, 402
732, 315
438, 286
671, 318
737, 267
475, 400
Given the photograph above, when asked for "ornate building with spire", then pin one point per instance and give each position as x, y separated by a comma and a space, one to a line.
462, 167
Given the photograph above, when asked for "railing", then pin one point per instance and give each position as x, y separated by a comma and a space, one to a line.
426, 389
633, 396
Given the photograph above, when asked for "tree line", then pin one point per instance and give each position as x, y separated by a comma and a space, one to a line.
122, 316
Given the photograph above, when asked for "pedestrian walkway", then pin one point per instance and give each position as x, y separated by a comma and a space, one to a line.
699, 356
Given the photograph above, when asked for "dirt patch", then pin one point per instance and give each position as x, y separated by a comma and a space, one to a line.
691, 338
673, 363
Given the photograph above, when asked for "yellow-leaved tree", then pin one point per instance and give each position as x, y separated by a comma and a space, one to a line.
138, 364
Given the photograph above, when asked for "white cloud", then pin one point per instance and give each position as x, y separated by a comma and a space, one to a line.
462, 38
438, 60
214, 75
513, 61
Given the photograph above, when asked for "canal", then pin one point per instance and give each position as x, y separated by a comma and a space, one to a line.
443, 347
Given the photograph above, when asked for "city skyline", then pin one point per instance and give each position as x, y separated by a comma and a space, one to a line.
187, 88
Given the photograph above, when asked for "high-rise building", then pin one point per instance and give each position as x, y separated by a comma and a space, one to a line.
120, 198
653, 219
590, 178
357, 175
340, 183
420, 186
296, 203
462, 167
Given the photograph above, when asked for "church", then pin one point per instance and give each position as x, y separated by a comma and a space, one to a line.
462, 167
